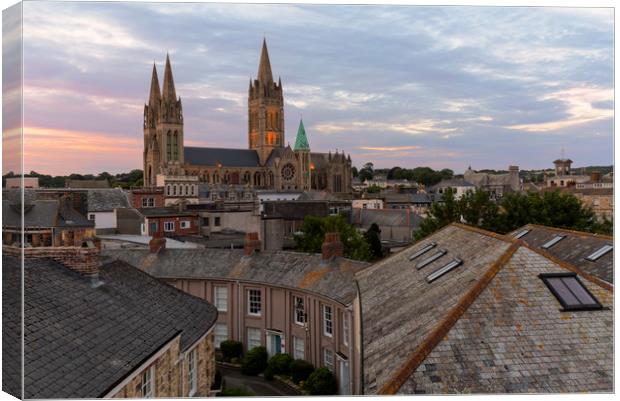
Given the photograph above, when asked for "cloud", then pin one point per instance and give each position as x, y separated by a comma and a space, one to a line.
389, 148
419, 127
580, 106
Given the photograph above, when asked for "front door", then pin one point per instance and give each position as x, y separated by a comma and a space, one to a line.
274, 344
344, 377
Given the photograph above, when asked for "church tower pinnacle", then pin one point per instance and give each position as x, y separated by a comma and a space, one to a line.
265, 110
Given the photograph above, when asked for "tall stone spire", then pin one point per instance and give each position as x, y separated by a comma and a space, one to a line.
264, 66
169, 93
155, 95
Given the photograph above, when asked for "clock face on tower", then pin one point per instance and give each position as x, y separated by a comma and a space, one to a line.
288, 172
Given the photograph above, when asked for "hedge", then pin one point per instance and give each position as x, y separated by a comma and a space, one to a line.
254, 361
300, 370
321, 382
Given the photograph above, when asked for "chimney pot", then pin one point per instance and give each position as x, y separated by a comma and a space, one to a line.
157, 243
251, 243
332, 246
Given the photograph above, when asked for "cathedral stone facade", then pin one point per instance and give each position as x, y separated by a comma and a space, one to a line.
267, 163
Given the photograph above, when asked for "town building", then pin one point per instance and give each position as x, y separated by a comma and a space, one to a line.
563, 175
367, 203
169, 222
395, 224
297, 303
268, 163
459, 187
469, 311
46, 223
495, 184
113, 333
102, 207
141, 198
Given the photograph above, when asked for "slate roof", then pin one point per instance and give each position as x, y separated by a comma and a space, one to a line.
488, 326
385, 217
419, 198
453, 182
333, 279
44, 214
80, 341
106, 200
227, 157
87, 184
574, 249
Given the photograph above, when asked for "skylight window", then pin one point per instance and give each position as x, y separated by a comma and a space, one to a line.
522, 233
423, 251
602, 251
443, 270
431, 259
553, 241
570, 292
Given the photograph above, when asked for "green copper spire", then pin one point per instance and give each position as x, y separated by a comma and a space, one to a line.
301, 143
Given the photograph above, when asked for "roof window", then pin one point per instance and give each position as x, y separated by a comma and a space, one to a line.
431, 259
423, 251
570, 292
522, 233
443, 270
602, 251
553, 241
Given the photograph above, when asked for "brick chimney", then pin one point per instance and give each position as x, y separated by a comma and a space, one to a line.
595, 176
157, 243
332, 246
251, 243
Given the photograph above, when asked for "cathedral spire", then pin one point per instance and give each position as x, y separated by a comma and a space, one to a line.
168, 92
264, 66
155, 94
301, 143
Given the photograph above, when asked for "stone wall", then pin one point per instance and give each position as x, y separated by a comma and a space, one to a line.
81, 260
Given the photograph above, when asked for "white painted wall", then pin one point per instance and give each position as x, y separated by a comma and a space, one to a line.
104, 219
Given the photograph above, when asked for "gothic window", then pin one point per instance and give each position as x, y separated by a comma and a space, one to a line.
176, 146
288, 172
168, 145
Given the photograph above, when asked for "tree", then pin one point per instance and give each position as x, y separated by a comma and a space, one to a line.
354, 172
477, 209
321, 382
439, 215
367, 172
373, 238
313, 231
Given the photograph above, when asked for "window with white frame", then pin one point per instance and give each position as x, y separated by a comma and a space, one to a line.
253, 338
328, 359
299, 310
168, 225
328, 323
91, 217
299, 348
185, 224
220, 334
147, 386
254, 302
221, 298
193, 372
148, 202
345, 328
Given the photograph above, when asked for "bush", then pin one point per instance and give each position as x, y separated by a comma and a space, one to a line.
269, 373
300, 370
235, 392
280, 364
254, 361
231, 349
321, 382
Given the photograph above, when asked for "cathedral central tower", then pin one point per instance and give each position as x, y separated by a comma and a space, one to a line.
265, 110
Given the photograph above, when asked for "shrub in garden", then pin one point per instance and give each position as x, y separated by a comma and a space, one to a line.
254, 361
268, 373
321, 382
300, 370
231, 349
280, 364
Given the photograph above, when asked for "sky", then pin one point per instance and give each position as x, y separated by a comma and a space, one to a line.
445, 87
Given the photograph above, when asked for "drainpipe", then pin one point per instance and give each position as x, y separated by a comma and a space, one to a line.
351, 355
239, 312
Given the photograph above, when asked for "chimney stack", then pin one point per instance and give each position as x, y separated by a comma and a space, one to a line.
251, 244
332, 246
595, 176
157, 243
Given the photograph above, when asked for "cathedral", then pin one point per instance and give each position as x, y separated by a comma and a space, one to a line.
267, 163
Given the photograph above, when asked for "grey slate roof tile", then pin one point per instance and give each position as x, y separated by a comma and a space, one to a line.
79, 340
226, 157
106, 200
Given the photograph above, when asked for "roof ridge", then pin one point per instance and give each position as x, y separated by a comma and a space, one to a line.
593, 279
558, 229
442, 329
482, 231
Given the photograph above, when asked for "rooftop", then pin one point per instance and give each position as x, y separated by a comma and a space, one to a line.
80, 340
225, 157
106, 200
303, 271
573, 249
482, 327
44, 214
